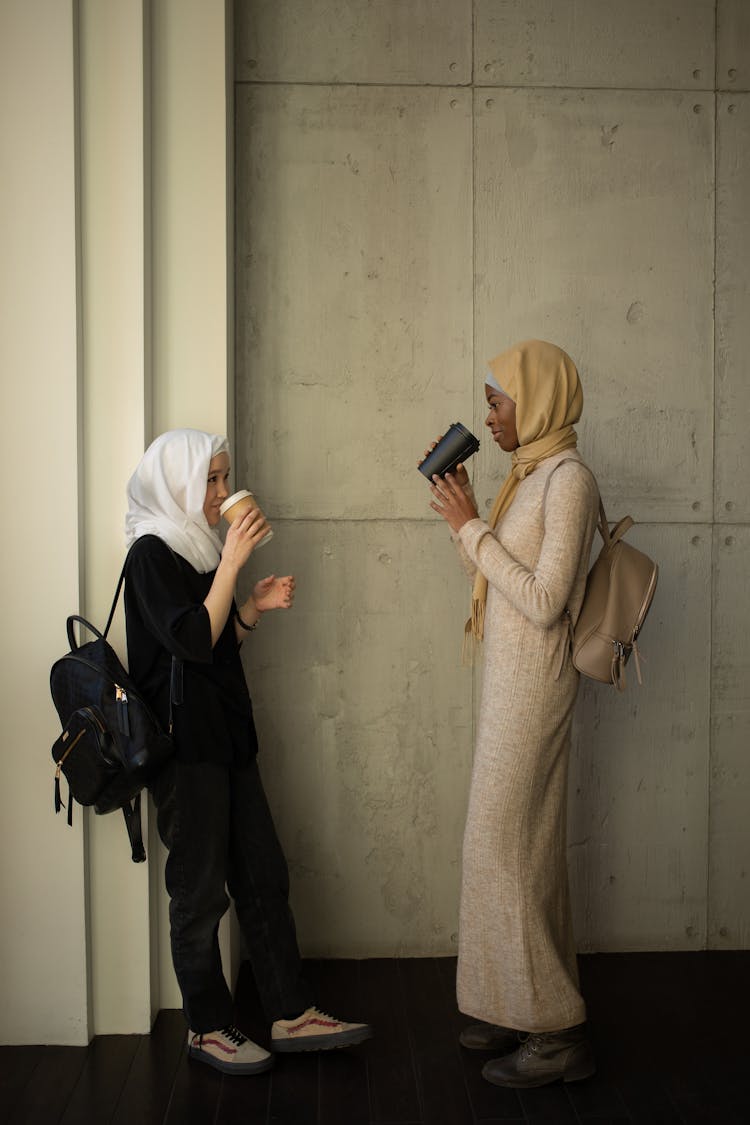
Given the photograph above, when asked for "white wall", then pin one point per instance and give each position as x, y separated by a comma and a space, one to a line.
99, 208
43, 939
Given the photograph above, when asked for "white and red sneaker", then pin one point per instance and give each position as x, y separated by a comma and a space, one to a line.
228, 1050
316, 1031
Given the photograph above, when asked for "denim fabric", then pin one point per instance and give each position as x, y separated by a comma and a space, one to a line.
215, 822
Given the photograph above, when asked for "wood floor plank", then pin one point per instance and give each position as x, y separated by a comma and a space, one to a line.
442, 1093
148, 1086
44, 1098
548, 1103
669, 1034
392, 1080
99, 1087
244, 1100
195, 1094
17, 1066
343, 1076
294, 1089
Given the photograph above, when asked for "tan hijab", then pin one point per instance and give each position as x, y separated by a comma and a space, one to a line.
543, 382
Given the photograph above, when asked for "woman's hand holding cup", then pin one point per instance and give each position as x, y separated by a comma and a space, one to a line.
459, 473
244, 535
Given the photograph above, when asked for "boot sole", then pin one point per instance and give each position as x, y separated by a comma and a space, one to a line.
578, 1074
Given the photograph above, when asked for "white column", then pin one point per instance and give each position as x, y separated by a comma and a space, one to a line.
192, 187
115, 267
42, 879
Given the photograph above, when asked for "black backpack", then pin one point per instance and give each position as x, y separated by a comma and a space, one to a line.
111, 744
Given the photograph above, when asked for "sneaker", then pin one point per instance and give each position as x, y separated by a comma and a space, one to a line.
315, 1031
228, 1050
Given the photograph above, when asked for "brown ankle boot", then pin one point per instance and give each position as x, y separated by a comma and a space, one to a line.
489, 1037
543, 1058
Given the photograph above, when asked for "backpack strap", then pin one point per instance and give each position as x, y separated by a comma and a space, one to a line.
175, 677
604, 531
132, 815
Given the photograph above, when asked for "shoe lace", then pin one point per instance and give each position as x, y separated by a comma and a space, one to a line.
234, 1035
529, 1044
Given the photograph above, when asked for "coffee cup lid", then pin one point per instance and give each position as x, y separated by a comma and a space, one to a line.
230, 500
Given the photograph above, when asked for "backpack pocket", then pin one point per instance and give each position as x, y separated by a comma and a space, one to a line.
86, 754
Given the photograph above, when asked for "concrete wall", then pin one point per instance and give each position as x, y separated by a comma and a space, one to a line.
419, 185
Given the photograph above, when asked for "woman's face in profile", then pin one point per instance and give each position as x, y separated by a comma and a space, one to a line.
216, 488
501, 419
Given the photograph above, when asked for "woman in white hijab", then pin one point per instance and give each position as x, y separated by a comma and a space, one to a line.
212, 812
517, 969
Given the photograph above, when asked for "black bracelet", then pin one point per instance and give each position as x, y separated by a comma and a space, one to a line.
242, 625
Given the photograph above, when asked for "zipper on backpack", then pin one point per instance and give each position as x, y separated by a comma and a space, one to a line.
95, 718
77, 738
121, 700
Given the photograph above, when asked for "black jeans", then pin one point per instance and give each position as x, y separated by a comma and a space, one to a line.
218, 828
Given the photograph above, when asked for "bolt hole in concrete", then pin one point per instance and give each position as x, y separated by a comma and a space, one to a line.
696, 540
696, 74
732, 108
696, 505
698, 108
732, 73
729, 541
729, 505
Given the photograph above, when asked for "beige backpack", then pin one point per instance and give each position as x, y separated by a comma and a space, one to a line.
619, 590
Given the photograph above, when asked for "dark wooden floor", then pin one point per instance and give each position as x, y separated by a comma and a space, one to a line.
671, 1034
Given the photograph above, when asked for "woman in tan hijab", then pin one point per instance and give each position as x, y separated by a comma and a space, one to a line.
517, 970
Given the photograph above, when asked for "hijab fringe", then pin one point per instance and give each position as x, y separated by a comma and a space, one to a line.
473, 633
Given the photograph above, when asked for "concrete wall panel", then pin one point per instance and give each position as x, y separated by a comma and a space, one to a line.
354, 293
587, 236
426, 42
638, 827
589, 43
729, 874
733, 45
364, 718
732, 501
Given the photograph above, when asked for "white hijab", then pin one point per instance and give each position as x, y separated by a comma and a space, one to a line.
167, 491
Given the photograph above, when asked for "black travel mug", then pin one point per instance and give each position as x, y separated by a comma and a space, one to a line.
454, 447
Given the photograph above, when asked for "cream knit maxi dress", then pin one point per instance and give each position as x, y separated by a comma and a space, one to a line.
517, 958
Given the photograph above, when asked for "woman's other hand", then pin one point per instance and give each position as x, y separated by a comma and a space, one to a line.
274, 593
461, 475
450, 501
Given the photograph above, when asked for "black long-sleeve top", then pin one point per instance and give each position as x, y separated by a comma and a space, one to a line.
165, 616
